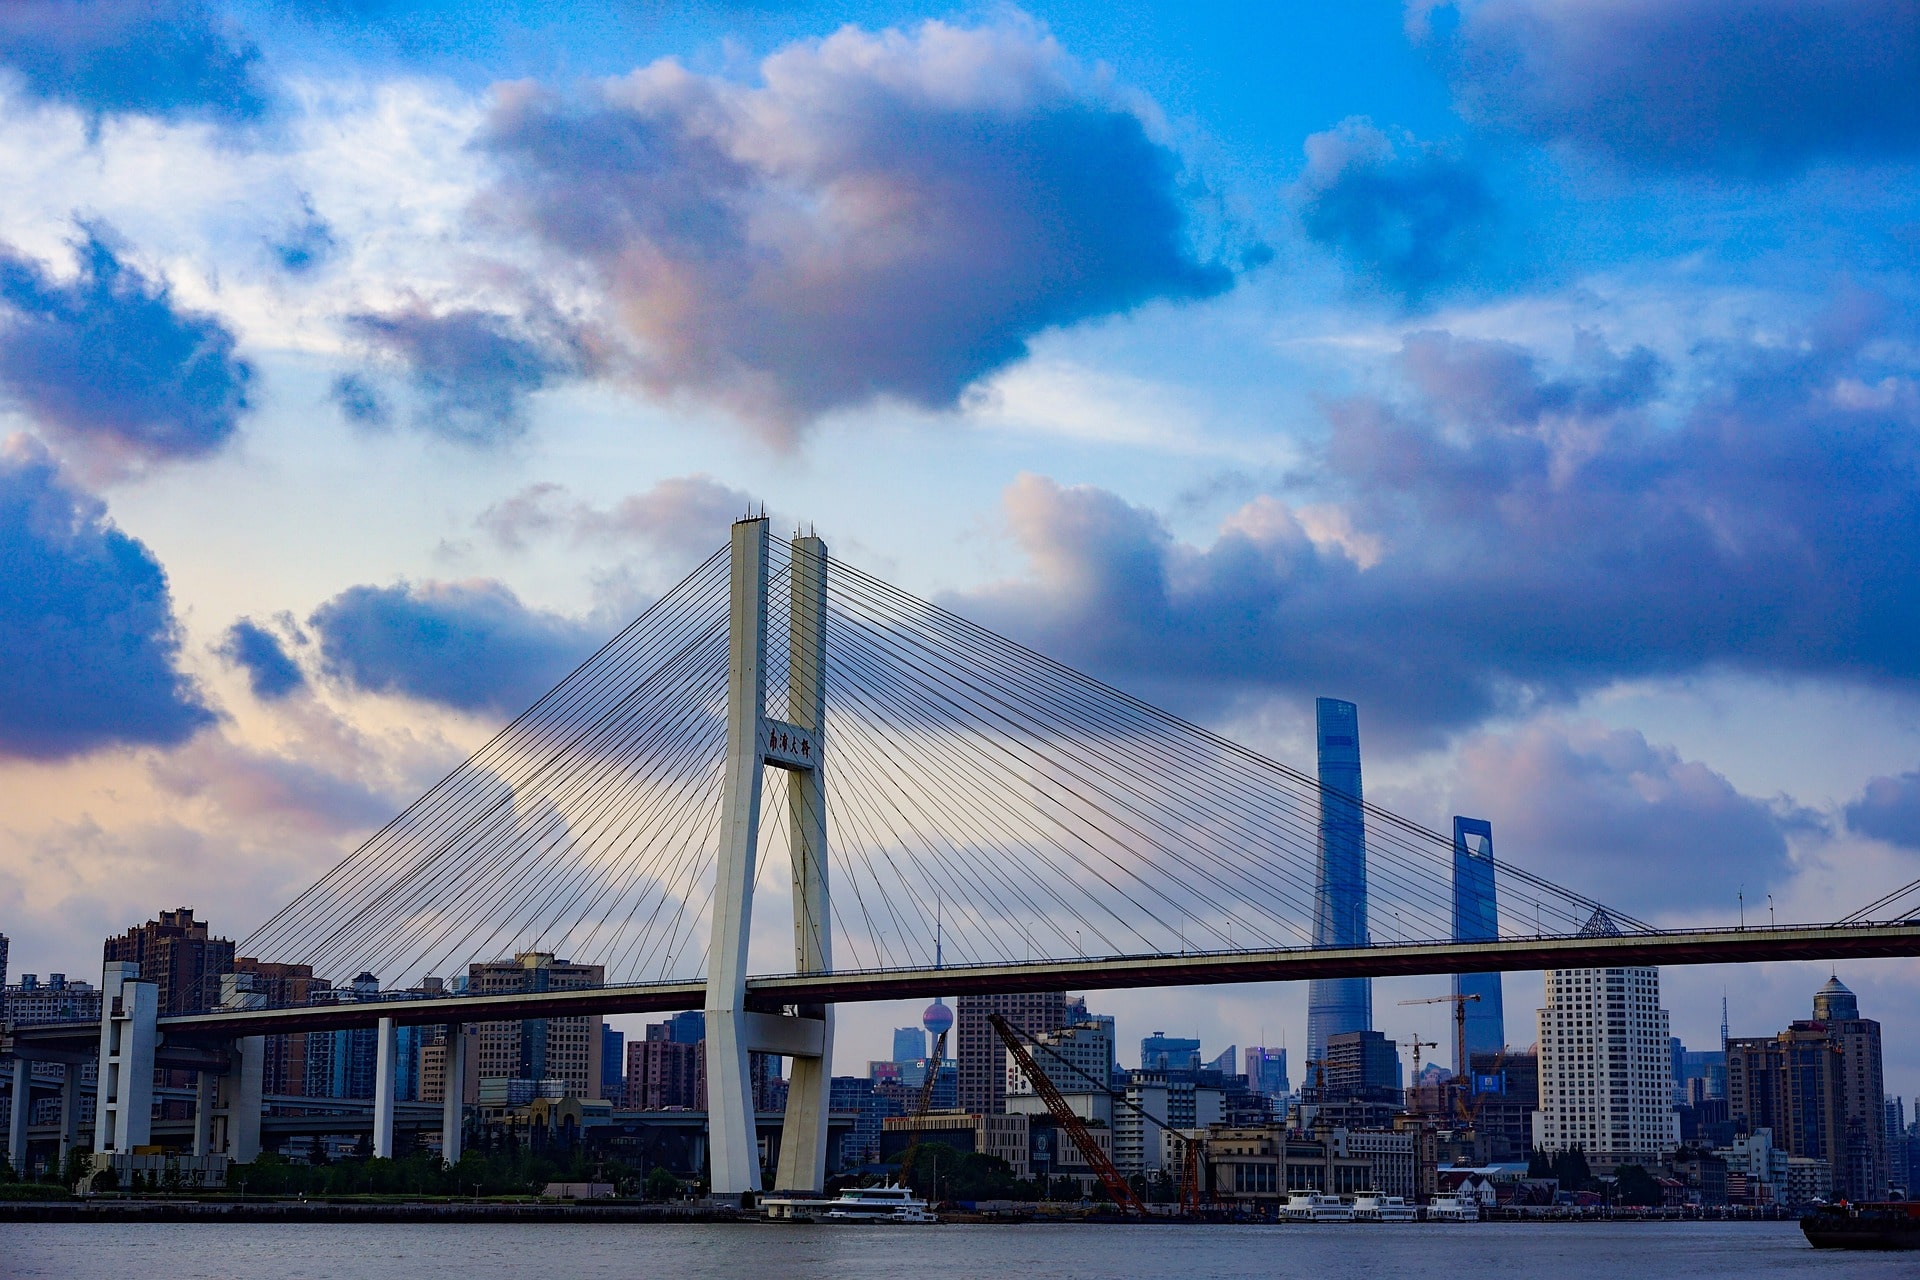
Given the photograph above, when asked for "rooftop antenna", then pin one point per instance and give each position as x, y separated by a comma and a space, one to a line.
1723, 1022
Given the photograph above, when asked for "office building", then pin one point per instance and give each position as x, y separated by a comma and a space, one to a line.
1336, 1005
909, 1044
1360, 1066
978, 1051
1162, 1052
1605, 1067
542, 1048
1476, 918
1818, 1088
613, 1063
1267, 1071
179, 956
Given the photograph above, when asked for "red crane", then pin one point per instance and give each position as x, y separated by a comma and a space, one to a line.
1064, 1116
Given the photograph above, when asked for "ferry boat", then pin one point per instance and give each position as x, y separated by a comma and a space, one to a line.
1311, 1206
1452, 1207
888, 1203
1371, 1206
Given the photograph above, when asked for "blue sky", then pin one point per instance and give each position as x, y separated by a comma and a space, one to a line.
1541, 374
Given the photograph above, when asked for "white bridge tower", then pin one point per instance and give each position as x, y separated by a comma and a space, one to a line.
754, 741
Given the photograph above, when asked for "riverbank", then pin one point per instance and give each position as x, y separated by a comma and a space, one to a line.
103, 1210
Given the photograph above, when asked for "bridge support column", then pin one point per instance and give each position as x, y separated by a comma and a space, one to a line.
453, 1107
69, 1111
803, 1137
129, 1034
240, 1091
18, 1115
732, 1141
385, 1052
754, 741
205, 1087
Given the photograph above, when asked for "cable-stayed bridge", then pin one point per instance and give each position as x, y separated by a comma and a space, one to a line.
936, 809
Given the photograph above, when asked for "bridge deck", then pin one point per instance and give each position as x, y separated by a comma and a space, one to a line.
1701, 946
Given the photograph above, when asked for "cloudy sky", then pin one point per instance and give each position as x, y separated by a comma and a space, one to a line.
1543, 375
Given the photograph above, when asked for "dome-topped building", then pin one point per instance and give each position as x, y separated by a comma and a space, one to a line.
1835, 1003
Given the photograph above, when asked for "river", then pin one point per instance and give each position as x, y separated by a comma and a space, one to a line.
1488, 1251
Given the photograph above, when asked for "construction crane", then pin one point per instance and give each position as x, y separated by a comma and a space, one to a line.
923, 1104
1064, 1116
1418, 1045
1463, 1069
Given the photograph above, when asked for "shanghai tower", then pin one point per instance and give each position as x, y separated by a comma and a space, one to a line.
1335, 1005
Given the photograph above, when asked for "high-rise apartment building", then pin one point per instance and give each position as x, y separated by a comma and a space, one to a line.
55, 1000
665, 1075
284, 985
178, 955
1078, 1059
1335, 1005
565, 1049
1476, 918
978, 1052
1605, 1066
1818, 1086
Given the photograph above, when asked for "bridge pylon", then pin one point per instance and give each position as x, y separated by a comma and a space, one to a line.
756, 740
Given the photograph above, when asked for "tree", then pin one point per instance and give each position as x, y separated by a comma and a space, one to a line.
662, 1185
1634, 1185
1570, 1167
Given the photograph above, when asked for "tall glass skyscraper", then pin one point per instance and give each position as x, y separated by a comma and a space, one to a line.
1475, 919
1335, 1005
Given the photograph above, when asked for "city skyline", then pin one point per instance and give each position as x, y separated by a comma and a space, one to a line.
360, 377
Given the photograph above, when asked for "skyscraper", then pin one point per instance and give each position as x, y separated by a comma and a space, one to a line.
1606, 1066
1476, 919
982, 1058
177, 954
1335, 1005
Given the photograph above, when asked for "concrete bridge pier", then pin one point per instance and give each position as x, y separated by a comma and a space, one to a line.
69, 1111
453, 1108
386, 1051
129, 1036
18, 1115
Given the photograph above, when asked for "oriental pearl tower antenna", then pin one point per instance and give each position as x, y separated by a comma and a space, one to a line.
937, 1019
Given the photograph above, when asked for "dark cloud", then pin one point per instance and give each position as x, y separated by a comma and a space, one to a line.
86, 623
165, 58
360, 402
1407, 216
271, 672
106, 359
1501, 536
1608, 813
683, 515
472, 371
885, 215
1889, 809
469, 645
1744, 85
307, 244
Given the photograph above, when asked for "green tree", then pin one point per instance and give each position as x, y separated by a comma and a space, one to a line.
662, 1185
1570, 1167
1634, 1185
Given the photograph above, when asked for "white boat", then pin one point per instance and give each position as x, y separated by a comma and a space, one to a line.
1371, 1206
1311, 1206
889, 1203
1451, 1207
